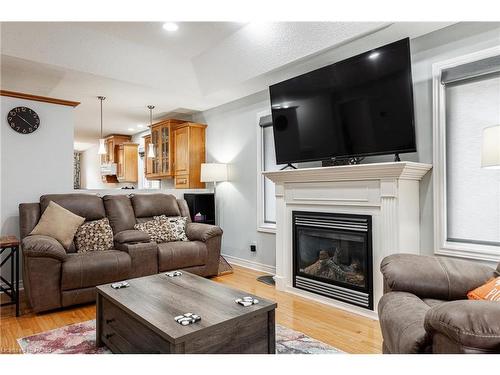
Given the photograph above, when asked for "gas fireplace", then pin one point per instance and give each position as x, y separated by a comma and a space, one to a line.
332, 256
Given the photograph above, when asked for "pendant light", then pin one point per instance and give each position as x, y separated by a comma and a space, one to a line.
151, 146
102, 147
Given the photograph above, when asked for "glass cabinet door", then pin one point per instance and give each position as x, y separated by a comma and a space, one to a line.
165, 130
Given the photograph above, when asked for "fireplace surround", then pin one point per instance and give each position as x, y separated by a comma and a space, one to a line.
332, 256
387, 192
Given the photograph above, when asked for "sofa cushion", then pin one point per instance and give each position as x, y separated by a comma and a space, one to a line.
147, 205
401, 317
175, 255
120, 212
94, 268
88, 206
59, 223
94, 236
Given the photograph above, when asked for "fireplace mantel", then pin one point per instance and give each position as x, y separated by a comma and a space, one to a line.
401, 170
389, 192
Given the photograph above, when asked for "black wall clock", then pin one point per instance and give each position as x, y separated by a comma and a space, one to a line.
23, 120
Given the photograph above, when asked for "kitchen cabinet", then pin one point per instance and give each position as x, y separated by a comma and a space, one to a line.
127, 162
189, 154
179, 150
124, 154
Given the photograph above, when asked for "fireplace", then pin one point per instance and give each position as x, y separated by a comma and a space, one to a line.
332, 256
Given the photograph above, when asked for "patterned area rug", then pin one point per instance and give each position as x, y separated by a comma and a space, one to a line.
79, 338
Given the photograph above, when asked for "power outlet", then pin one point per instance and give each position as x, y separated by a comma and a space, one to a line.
253, 248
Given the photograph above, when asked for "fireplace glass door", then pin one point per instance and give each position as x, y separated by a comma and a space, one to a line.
332, 255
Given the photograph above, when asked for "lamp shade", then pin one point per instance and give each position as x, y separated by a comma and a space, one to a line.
490, 153
102, 147
151, 150
213, 172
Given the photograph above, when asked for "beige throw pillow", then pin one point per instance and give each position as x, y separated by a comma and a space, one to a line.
59, 223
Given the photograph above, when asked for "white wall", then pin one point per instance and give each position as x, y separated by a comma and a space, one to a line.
37, 163
33, 164
231, 137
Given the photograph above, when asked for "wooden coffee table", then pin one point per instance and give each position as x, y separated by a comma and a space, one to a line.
140, 318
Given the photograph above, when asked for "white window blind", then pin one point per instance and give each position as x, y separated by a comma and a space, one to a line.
472, 192
269, 164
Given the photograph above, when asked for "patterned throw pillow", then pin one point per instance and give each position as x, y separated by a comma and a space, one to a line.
94, 235
156, 230
176, 227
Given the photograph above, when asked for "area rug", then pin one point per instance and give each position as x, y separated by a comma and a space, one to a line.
79, 338
224, 267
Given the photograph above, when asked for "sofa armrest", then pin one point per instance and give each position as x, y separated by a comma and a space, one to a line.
143, 255
469, 325
202, 232
131, 236
43, 246
433, 277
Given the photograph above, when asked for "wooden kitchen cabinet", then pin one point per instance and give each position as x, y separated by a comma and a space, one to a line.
179, 149
111, 142
189, 154
127, 162
160, 166
123, 153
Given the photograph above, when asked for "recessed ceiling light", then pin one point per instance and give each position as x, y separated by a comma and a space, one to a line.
373, 55
130, 129
170, 26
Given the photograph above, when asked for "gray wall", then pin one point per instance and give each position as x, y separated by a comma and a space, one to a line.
33, 164
232, 138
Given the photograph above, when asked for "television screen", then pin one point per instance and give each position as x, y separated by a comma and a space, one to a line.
356, 107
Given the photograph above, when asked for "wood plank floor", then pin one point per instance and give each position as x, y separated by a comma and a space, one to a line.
348, 332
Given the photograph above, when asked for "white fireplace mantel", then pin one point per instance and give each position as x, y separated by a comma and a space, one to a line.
389, 192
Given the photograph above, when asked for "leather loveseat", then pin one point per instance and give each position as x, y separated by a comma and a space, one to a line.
425, 308
54, 277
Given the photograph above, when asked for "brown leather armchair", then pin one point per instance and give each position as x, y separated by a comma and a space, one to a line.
424, 308
54, 277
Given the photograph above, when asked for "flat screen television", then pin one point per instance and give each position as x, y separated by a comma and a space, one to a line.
356, 107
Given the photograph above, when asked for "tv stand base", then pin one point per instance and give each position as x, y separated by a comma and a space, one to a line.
288, 166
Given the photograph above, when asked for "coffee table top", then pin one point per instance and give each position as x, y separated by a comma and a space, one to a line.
155, 301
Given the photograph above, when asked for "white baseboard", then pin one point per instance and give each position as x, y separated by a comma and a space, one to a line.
250, 264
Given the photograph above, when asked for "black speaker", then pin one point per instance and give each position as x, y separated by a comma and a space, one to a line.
202, 204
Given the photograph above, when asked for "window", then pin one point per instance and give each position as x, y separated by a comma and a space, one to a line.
266, 161
467, 197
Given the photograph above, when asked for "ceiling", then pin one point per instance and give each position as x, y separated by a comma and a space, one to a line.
197, 67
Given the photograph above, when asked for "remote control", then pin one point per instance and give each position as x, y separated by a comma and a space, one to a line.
119, 285
173, 273
246, 301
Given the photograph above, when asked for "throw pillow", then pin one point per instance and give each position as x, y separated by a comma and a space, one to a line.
93, 236
177, 228
488, 292
59, 223
156, 230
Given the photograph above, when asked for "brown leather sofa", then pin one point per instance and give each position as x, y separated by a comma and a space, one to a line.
54, 277
424, 308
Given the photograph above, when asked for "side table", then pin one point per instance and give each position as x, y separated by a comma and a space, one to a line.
11, 245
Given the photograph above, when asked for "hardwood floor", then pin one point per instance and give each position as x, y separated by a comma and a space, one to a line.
348, 332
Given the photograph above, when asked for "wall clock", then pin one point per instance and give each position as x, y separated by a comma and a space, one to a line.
23, 120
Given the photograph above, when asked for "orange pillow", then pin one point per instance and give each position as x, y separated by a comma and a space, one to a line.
488, 292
